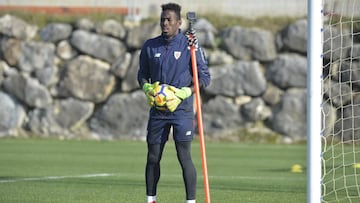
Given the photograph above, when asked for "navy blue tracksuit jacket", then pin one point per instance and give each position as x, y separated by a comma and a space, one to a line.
169, 62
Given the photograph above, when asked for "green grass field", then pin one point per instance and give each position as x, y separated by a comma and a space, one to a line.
45, 170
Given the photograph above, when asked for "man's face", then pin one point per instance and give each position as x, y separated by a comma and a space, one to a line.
169, 23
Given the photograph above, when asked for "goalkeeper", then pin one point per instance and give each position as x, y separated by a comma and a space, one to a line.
166, 59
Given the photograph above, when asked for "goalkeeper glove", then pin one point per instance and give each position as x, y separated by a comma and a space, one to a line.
182, 93
192, 39
173, 101
148, 90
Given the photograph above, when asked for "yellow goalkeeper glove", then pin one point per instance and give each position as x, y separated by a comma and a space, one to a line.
182, 93
148, 90
173, 101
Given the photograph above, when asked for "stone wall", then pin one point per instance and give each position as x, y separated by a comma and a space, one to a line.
79, 80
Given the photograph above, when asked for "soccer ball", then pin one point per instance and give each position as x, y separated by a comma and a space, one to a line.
160, 94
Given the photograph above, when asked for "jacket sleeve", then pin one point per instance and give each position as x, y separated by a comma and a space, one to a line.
143, 72
203, 70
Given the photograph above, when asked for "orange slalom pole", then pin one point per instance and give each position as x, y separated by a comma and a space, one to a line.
200, 123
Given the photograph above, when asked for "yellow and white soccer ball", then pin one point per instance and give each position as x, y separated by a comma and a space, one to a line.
161, 93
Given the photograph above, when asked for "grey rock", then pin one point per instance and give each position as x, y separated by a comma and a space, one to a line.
36, 55
55, 32
355, 52
4, 68
138, 35
289, 118
14, 27
219, 57
65, 51
61, 118
48, 76
205, 33
87, 79
221, 115
121, 65
85, 24
255, 110
98, 46
241, 78
340, 38
12, 115
294, 37
112, 28
206, 39
272, 95
27, 90
339, 94
130, 82
288, 70
249, 43
349, 73
204, 25
328, 120
124, 115
11, 50
347, 124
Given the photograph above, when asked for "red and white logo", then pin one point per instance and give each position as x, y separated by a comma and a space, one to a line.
177, 54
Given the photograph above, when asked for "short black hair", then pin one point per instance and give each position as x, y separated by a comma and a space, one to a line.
173, 7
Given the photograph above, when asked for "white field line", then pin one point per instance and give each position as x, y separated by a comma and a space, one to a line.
56, 177
45, 178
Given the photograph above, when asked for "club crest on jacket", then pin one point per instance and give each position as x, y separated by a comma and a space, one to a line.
177, 54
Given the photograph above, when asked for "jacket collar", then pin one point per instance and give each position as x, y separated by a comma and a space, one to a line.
174, 39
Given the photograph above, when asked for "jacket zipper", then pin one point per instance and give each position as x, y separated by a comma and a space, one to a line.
165, 59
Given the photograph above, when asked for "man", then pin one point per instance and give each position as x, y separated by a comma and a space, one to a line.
166, 59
